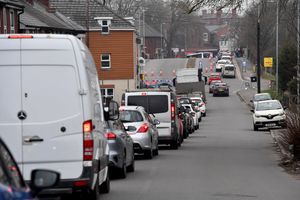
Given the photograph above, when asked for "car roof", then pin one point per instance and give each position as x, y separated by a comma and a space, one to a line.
262, 94
229, 65
266, 101
139, 108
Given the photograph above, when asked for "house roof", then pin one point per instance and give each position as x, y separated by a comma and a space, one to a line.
77, 11
13, 3
37, 15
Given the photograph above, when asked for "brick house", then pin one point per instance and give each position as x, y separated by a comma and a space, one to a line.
9, 16
111, 40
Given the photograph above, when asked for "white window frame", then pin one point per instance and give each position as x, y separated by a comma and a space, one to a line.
105, 94
12, 21
106, 60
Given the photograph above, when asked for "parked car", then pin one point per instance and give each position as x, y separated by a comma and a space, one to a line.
260, 97
199, 103
161, 103
121, 153
213, 76
12, 184
187, 120
142, 129
193, 112
221, 89
268, 114
54, 107
213, 84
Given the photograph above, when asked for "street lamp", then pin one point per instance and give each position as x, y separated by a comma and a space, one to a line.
161, 40
258, 50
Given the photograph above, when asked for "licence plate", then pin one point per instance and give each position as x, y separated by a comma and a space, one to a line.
221, 90
271, 124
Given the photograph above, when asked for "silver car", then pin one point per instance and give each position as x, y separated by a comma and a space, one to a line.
142, 128
121, 154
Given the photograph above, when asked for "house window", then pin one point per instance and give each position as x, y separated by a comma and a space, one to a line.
107, 92
105, 26
12, 21
205, 37
105, 61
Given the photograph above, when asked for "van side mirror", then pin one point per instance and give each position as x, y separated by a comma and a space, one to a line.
251, 100
43, 179
252, 110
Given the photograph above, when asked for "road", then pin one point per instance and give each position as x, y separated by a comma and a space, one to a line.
224, 160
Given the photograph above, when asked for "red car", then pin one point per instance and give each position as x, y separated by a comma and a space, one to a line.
214, 76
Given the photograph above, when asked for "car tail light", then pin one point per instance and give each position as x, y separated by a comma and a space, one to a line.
172, 111
80, 183
20, 36
143, 129
110, 136
88, 142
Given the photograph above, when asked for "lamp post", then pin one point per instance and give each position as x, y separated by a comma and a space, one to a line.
277, 36
258, 50
298, 56
161, 40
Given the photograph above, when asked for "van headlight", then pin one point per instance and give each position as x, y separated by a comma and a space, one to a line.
281, 114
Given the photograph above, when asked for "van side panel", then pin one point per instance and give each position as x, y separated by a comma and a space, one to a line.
10, 94
50, 86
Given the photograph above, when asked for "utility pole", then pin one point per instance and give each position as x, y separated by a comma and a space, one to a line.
298, 56
87, 21
277, 41
258, 50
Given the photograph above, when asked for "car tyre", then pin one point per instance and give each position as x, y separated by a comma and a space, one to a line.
131, 167
123, 169
95, 193
204, 114
148, 154
155, 152
105, 186
174, 145
255, 128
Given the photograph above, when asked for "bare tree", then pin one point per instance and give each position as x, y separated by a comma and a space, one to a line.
125, 8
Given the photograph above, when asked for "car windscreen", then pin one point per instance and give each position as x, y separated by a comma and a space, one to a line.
152, 103
274, 105
262, 97
130, 116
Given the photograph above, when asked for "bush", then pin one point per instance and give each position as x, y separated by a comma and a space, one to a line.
292, 137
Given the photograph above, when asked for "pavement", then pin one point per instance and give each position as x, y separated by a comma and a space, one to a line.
246, 93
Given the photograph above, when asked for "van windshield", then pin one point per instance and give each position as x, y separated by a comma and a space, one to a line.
152, 103
229, 68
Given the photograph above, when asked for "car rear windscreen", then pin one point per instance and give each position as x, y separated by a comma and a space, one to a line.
152, 103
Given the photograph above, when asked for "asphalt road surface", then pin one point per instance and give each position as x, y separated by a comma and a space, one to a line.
223, 160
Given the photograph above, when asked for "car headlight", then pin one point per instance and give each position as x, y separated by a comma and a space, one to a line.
281, 114
257, 115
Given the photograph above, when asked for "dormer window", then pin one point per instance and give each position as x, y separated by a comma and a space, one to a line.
104, 23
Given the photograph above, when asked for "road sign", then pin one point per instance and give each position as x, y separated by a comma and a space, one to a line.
268, 62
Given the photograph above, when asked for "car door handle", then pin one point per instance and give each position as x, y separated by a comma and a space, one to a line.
34, 139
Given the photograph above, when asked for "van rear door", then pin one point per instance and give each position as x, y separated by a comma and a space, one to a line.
10, 92
52, 131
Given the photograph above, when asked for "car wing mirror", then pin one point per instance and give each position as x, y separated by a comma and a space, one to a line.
156, 122
43, 179
252, 110
251, 100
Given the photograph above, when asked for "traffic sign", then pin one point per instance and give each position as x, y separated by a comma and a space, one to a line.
268, 62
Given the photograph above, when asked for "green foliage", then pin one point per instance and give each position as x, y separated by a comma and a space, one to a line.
292, 86
274, 94
287, 62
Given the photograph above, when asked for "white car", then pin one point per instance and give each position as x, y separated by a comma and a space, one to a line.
141, 128
200, 104
268, 113
260, 97
220, 64
194, 114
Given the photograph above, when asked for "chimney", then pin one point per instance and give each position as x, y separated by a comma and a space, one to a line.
30, 1
48, 5
204, 12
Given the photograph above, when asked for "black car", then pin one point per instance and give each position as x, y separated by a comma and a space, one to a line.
221, 89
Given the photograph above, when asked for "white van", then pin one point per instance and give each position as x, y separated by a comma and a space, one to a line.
51, 110
162, 104
229, 71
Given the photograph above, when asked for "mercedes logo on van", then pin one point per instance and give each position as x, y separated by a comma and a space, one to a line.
22, 115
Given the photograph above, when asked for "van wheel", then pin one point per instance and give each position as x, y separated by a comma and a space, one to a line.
204, 114
95, 193
155, 152
255, 128
148, 154
105, 186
